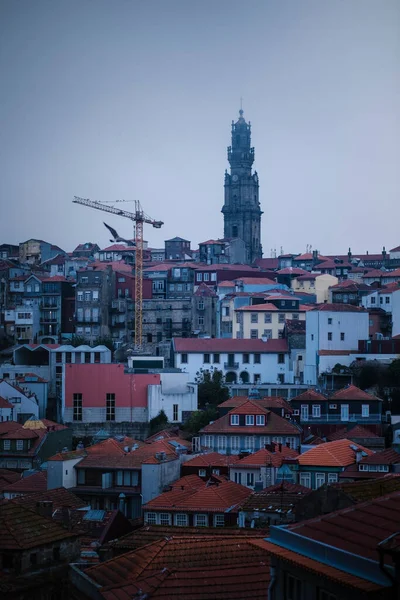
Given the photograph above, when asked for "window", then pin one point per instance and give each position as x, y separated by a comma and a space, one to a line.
235, 442
184, 358
250, 479
256, 378
342, 337
221, 441
110, 407
257, 358
206, 277
295, 316
215, 471
373, 300
381, 300
329, 336
365, 410
7, 444
84, 279
68, 356
80, 296
316, 410
20, 444
95, 296
260, 420
199, 276
238, 477
254, 318
304, 412
151, 518
206, 358
246, 358
149, 338
281, 318
387, 299
87, 357
175, 412
305, 479
88, 296
265, 439
281, 359
97, 357
312, 337
249, 419
216, 358
344, 412
201, 321
165, 519
181, 520
319, 479
267, 317
267, 333
202, 472
219, 520
249, 442
213, 277
201, 520
293, 588
329, 320
383, 468
332, 477
77, 400
234, 419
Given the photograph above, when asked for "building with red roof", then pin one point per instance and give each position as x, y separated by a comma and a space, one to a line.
249, 427
34, 482
273, 505
260, 469
344, 554
208, 464
248, 360
276, 404
194, 502
325, 463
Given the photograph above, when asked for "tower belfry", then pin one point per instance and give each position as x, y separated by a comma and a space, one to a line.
241, 210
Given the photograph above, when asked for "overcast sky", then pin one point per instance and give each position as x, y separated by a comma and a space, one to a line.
126, 99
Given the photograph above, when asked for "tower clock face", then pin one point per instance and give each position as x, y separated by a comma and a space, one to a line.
235, 178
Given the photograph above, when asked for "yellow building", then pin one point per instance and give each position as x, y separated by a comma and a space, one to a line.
266, 320
315, 283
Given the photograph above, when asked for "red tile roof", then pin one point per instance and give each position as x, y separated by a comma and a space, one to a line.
361, 491
281, 497
204, 291
22, 528
212, 459
249, 408
7, 477
228, 345
110, 453
350, 286
310, 396
258, 308
60, 497
292, 271
337, 307
265, 402
118, 248
264, 457
357, 529
352, 392
207, 497
255, 281
357, 432
385, 457
339, 453
37, 482
275, 425
4, 403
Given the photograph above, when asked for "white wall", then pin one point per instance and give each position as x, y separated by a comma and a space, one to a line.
61, 473
156, 476
175, 388
354, 325
396, 313
22, 404
268, 369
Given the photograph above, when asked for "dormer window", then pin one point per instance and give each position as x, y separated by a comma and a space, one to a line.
234, 419
249, 419
260, 420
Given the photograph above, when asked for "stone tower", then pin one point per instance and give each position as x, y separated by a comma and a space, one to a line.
241, 210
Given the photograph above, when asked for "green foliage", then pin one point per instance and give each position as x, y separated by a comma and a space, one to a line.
199, 419
211, 388
394, 372
159, 422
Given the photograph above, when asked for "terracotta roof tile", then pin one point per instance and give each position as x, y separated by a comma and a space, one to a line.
386, 457
274, 425
310, 396
265, 402
357, 432
59, 497
352, 392
212, 459
37, 482
249, 408
228, 345
110, 453
268, 307
265, 457
332, 454
4, 403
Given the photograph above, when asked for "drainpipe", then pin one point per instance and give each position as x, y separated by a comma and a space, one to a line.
272, 583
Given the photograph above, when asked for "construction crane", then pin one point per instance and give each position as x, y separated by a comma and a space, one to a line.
139, 218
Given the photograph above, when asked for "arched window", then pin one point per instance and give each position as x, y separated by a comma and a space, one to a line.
244, 376
230, 377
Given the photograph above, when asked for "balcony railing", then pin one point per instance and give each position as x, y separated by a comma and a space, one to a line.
231, 365
353, 418
48, 320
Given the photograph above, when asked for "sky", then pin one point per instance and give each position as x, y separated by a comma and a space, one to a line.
133, 99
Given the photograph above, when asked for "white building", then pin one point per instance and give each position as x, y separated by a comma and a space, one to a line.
176, 395
24, 404
378, 299
246, 360
396, 313
333, 327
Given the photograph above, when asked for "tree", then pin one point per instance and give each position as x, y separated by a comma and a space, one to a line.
159, 422
211, 387
199, 419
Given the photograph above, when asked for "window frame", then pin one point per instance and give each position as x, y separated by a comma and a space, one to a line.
249, 420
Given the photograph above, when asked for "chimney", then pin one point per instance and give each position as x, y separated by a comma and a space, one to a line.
44, 508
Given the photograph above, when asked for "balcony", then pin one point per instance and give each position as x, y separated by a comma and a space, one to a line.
87, 320
231, 365
48, 320
337, 419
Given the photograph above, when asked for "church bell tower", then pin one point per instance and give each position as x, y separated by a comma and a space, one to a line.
241, 210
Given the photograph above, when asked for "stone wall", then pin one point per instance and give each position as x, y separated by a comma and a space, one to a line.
136, 430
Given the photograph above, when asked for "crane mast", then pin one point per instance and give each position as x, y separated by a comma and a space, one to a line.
139, 218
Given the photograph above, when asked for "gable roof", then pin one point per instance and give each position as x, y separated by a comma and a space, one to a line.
4, 403
229, 345
22, 528
356, 432
37, 482
352, 392
310, 396
266, 458
60, 497
275, 425
218, 496
204, 291
339, 453
248, 408
265, 402
212, 459
385, 457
